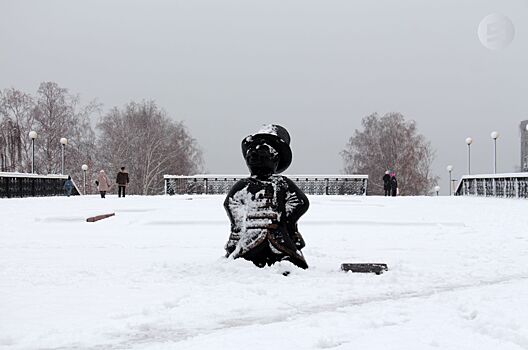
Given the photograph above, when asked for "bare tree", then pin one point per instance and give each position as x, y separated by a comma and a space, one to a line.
10, 146
58, 114
145, 140
392, 143
140, 136
16, 120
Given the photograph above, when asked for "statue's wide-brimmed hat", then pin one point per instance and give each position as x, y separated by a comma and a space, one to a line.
277, 137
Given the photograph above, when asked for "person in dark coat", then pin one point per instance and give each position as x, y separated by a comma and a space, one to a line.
394, 184
122, 181
264, 208
68, 186
386, 183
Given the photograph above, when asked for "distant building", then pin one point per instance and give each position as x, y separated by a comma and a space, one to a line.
524, 146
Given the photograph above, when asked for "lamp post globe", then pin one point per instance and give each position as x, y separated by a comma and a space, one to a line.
64, 141
437, 189
469, 140
33, 135
84, 167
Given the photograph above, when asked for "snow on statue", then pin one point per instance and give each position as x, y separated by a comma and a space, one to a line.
264, 208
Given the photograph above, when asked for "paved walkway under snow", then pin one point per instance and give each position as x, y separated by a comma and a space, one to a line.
153, 276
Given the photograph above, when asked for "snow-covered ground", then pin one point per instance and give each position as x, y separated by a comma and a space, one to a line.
154, 276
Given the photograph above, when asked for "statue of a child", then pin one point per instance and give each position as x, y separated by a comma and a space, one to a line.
264, 208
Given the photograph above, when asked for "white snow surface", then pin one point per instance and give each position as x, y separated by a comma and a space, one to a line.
154, 277
267, 129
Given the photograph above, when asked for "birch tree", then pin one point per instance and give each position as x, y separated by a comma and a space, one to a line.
391, 143
16, 120
148, 143
59, 114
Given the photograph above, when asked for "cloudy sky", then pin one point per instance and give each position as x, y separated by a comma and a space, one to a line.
315, 67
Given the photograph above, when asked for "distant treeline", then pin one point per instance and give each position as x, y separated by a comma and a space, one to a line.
140, 136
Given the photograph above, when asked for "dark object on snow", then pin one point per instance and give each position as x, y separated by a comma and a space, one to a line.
365, 268
264, 208
99, 217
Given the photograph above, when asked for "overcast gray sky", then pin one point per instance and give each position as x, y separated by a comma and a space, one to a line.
315, 67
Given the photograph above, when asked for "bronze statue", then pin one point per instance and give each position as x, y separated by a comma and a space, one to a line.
264, 208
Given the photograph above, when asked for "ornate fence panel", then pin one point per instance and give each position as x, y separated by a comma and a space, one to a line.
14, 185
309, 184
512, 185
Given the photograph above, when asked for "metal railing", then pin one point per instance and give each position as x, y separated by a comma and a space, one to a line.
13, 185
511, 185
309, 184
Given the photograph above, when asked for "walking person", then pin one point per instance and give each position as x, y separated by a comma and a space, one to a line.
122, 181
387, 183
68, 186
103, 183
394, 184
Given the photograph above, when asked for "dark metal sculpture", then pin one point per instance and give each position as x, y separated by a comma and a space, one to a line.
264, 208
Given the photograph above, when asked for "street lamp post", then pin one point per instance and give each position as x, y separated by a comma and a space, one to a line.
469, 141
495, 136
64, 142
32, 136
84, 168
450, 169
437, 189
